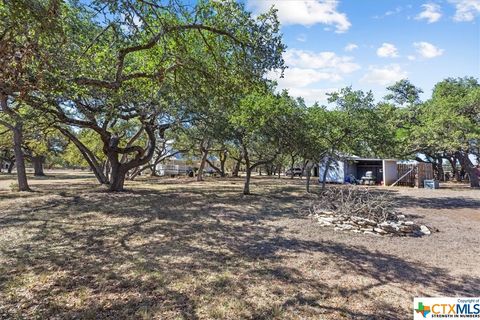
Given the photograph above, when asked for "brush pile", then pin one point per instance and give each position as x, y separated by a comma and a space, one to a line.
360, 209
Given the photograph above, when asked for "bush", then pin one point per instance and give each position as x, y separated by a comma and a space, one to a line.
13, 186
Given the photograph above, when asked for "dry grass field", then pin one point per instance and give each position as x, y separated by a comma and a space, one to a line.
180, 249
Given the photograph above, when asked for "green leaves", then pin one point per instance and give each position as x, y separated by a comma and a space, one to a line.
449, 121
403, 92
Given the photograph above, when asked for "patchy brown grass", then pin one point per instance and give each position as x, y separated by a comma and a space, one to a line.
179, 249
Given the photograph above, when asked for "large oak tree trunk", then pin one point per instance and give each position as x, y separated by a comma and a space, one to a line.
246, 186
140, 157
117, 178
469, 168
117, 170
20, 158
38, 162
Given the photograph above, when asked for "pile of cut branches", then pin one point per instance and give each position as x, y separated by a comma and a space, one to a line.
367, 203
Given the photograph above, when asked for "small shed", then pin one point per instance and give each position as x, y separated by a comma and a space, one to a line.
384, 171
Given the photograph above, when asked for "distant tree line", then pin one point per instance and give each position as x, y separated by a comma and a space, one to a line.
120, 86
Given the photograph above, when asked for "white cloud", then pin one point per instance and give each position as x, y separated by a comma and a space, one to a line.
305, 12
350, 47
411, 57
312, 95
327, 61
428, 50
307, 69
466, 10
302, 77
384, 75
431, 12
392, 12
397, 10
387, 50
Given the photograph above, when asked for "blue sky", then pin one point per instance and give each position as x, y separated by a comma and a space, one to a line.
370, 44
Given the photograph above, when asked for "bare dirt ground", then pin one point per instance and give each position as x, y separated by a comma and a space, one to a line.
179, 249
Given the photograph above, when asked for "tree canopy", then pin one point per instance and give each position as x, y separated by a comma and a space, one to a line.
119, 86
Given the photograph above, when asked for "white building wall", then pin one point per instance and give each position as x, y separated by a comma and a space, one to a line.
389, 172
335, 174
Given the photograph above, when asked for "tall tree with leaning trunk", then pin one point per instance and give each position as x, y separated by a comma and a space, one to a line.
15, 124
260, 123
28, 31
136, 51
117, 122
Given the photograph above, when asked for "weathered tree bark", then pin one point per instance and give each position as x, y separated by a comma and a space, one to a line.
19, 158
223, 158
202, 164
434, 167
440, 173
117, 177
38, 162
453, 164
137, 135
17, 130
456, 173
133, 173
469, 168
246, 185
292, 164
107, 170
246, 157
309, 174
325, 172
142, 156
251, 166
220, 171
236, 168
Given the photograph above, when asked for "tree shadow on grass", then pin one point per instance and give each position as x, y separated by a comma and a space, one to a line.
440, 202
191, 254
